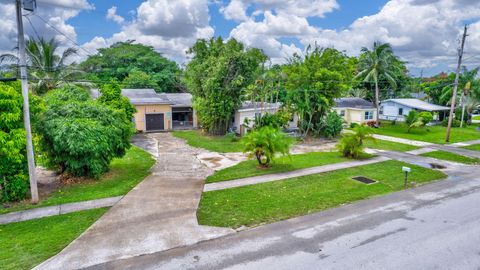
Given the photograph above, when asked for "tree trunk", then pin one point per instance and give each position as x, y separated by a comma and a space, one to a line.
463, 108
377, 103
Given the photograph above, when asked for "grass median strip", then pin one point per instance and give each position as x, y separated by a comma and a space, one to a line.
282, 164
219, 144
28, 243
273, 201
389, 146
444, 155
125, 173
475, 147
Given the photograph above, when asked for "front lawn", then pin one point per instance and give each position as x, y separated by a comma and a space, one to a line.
125, 173
444, 155
432, 134
475, 147
26, 244
282, 164
219, 144
389, 146
269, 202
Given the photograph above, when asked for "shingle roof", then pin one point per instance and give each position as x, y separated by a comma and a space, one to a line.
418, 104
179, 99
144, 97
357, 103
248, 105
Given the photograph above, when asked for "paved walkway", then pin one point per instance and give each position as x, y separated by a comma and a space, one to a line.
285, 175
401, 140
157, 215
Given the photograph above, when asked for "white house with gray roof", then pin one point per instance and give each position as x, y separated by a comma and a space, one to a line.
397, 109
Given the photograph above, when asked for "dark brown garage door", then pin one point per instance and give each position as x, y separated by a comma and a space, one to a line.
154, 122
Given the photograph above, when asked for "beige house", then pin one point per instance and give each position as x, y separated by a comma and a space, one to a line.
159, 112
355, 110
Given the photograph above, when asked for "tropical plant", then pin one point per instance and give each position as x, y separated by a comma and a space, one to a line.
376, 64
314, 81
80, 135
46, 69
277, 120
13, 159
331, 125
351, 144
265, 143
216, 76
415, 119
358, 92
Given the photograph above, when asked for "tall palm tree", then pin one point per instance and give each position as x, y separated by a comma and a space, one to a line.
47, 69
376, 63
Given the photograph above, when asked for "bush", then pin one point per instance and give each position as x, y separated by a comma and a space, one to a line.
416, 119
332, 125
231, 136
351, 144
81, 136
265, 142
13, 160
354, 125
277, 120
372, 123
455, 122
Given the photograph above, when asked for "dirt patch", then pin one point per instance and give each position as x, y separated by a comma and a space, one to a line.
215, 161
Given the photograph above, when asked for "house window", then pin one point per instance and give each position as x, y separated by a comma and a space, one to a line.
342, 113
381, 110
400, 111
368, 115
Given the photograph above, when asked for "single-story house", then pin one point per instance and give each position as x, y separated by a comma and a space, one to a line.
159, 111
249, 110
355, 110
398, 108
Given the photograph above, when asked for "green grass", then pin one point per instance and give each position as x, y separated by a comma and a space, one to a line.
432, 134
219, 144
26, 244
389, 146
125, 173
475, 147
476, 118
282, 164
444, 155
273, 201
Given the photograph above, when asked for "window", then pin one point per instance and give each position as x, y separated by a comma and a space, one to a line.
368, 115
381, 110
342, 113
400, 111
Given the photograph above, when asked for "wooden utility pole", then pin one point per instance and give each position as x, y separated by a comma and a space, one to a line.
26, 108
455, 85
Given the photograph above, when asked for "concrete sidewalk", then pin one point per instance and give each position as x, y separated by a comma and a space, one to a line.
157, 215
285, 175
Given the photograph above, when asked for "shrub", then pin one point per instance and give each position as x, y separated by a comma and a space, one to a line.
277, 120
353, 125
81, 136
372, 123
231, 136
416, 119
13, 160
332, 125
455, 122
351, 144
265, 142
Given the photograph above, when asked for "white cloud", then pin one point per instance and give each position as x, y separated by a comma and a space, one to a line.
112, 15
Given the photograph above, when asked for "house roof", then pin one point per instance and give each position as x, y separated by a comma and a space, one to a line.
418, 104
250, 106
179, 99
353, 102
149, 96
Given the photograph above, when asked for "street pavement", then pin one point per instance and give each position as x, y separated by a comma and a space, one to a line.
435, 226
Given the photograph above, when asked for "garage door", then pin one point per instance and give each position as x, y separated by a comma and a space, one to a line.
154, 122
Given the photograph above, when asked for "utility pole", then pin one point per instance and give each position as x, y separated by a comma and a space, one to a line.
455, 85
26, 108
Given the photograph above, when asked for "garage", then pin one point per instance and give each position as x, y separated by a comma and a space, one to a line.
154, 122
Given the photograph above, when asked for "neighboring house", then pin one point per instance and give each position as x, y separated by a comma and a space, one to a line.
355, 110
397, 109
159, 112
249, 110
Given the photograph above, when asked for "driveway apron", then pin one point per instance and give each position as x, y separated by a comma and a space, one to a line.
157, 215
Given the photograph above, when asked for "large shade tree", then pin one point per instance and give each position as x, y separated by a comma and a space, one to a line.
135, 66
216, 76
376, 65
47, 67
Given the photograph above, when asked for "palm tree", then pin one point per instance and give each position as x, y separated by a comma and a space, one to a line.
47, 70
379, 62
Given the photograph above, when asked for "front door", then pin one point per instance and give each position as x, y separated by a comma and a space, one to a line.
154, 122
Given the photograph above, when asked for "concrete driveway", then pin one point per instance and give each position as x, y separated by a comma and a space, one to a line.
157, 215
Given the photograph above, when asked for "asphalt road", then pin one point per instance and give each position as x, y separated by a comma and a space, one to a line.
436, 226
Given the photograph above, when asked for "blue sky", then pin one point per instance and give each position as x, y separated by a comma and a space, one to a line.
423, 33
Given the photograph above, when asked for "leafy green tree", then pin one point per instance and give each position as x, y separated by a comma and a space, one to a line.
81, 136
216, 76
265, 143
376, 63
130, 62
331, 126
351, 144
314, 81
111, 95
416, 119
13, 159
47, 70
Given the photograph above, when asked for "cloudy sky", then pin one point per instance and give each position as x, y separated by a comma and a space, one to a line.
425, 33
